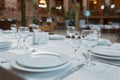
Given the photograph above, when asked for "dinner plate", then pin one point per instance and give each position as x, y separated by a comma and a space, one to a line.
104, 42
106, 51
42, 60
17, 66
106, 57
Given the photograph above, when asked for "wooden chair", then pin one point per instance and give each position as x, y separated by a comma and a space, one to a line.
48, 28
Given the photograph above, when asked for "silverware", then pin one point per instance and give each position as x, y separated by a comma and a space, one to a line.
69, 72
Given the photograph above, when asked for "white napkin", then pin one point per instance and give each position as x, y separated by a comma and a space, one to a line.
104, 42
56, 37
40, 38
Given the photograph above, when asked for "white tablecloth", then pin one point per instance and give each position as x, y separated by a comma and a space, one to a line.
60, 46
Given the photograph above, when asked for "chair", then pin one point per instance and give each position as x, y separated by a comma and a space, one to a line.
5, 25
48, 28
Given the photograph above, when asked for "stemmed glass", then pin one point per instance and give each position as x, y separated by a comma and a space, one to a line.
13, 27
70, 31
75, 43
23, 34
35, 28
89, 39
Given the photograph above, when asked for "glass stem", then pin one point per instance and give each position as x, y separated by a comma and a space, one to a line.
75, 54
89, 58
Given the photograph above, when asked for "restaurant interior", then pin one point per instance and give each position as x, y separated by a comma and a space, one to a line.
52, 15
59, 39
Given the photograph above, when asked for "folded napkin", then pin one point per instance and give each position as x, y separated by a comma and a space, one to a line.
56, 37
104, 42
40, 38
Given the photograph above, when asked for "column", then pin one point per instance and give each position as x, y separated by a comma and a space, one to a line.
52, 3
107, 2
11, 4
66, 5
84, 4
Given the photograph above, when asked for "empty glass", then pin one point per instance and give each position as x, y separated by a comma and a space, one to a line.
75, 43
89, 40
23, 34
35, 28
13, 27
70, 31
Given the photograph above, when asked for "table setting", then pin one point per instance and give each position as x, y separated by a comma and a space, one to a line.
56, 59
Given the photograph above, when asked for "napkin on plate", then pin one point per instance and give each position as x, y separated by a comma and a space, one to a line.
56, 37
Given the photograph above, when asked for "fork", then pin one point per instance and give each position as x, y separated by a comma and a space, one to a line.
69, 72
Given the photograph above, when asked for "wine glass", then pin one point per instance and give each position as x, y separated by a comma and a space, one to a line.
97, 28
76, 34
23, 34
35, 28
89, 39
70, 31
13, 27
75, 44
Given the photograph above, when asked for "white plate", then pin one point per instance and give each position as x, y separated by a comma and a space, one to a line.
56, 37
106, 51
42, 60
104, 42
106, 57
16, 66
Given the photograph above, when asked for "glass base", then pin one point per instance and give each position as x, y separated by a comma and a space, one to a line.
95, 67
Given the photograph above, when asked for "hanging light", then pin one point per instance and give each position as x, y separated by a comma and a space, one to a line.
112, 6
94, 2
102, 6
42, 3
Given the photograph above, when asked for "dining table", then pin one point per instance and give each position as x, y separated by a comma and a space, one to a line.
110, 71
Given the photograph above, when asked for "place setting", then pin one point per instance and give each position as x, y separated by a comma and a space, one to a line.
106, 54
41, 61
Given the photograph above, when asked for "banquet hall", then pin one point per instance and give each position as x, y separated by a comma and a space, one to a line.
59, 39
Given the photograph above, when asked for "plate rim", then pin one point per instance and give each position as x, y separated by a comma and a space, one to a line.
65, 60
106, 57
14, 65
97, 53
